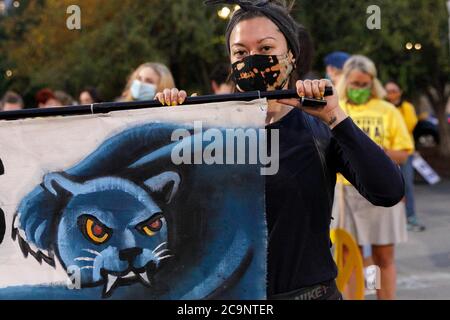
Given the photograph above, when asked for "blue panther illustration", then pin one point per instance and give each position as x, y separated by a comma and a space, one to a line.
120, 232
135, 225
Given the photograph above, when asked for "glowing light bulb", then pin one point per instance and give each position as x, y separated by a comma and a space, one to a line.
224, 13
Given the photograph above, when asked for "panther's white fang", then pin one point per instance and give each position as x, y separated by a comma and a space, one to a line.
110, 281
144, 278
129, 275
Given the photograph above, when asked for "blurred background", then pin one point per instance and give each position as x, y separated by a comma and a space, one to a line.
38, 51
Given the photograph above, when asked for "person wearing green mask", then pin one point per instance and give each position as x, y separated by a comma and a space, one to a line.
359, 96
381, 228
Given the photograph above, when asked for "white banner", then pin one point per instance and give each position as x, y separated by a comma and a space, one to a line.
71, 158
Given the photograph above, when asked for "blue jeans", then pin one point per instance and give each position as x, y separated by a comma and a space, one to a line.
408, 175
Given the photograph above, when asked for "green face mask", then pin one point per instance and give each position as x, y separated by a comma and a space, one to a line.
359, 96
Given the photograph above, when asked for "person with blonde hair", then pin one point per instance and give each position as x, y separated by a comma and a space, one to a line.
148, 79
382, 228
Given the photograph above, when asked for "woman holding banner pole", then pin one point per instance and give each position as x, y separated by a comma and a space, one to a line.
269, 51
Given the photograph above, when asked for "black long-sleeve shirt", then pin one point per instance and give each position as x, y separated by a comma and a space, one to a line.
299, 197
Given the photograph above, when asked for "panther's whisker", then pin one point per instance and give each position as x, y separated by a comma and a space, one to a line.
87, 267
158, 247
165, 257
92, 251
84, 259
161, 252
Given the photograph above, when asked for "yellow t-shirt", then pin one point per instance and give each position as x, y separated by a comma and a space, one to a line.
383, 123
409, 114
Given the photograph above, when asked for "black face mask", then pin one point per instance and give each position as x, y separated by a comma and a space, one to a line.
263, 72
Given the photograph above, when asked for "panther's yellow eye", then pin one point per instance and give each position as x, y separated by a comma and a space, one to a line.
94, 230
151, 226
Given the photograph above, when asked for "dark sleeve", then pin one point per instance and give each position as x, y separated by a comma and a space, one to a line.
362, 162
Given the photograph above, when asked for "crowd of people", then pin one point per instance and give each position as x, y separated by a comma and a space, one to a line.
142, 84
47, 98
379, 111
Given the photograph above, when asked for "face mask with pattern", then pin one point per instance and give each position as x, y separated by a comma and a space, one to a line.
359, 96
263, 72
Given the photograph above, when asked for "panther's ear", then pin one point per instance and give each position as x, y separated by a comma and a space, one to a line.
167, 183
52, 179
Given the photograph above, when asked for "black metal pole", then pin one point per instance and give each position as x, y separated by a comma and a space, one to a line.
106, 107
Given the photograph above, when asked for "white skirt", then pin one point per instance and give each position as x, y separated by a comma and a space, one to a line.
368, 224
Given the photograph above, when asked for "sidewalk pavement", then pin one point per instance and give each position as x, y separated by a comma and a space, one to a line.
424, 261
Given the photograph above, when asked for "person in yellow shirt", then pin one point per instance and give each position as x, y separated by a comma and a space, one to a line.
381, 228
395, 96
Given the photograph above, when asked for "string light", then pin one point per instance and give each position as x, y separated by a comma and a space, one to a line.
410, 46
224, 13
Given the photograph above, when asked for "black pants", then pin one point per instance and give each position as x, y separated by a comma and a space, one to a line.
323, 291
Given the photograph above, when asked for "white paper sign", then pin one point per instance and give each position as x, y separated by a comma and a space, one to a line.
424, 169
